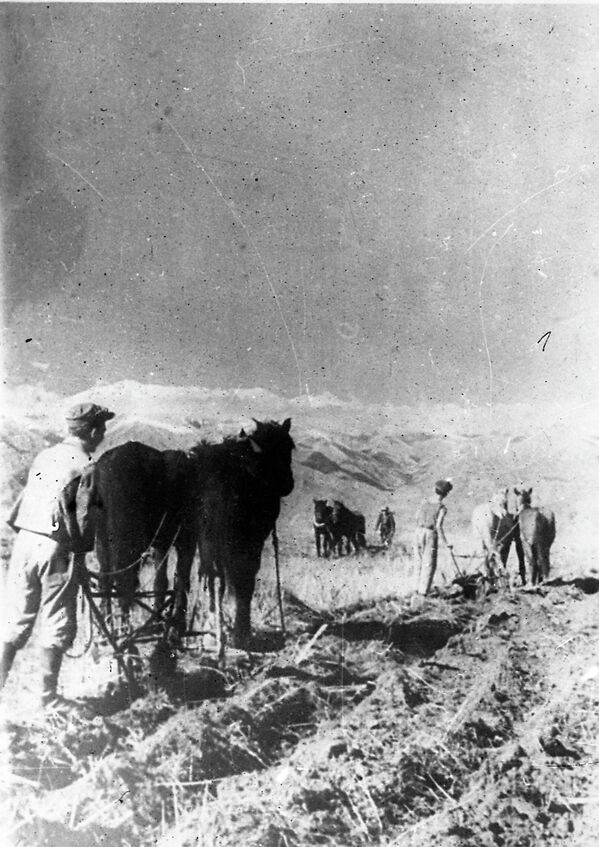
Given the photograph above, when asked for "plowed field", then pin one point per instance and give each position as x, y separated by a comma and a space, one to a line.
459, 722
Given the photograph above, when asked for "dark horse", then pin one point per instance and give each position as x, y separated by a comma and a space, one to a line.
143, 502
537, 531
347, 525
239, 485
322, 531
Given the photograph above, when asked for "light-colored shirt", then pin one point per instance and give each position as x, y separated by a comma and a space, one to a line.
431, 514
39, 508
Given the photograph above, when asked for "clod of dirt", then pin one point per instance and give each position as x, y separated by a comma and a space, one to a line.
588, 584
499, 617
511, 757
337, 749
554, 746
489, 728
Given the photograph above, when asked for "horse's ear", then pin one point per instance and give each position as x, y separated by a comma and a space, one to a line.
286, 424
516, 491
530, 490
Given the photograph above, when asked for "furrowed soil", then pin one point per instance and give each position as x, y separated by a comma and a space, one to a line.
461, 721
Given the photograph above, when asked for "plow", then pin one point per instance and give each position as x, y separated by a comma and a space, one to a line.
477, 582
123, 639
148, 622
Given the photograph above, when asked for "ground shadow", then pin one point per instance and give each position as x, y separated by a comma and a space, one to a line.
586, 584
421, 637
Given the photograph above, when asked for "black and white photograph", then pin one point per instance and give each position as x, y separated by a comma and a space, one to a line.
299, 424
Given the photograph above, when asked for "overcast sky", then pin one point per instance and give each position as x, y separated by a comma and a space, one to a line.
389, 201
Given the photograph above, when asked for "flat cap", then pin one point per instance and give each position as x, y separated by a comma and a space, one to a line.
88, 413
443, 487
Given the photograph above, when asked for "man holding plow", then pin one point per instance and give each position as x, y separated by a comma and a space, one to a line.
41, 579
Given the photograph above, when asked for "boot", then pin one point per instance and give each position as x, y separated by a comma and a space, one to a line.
51, 663
8, 652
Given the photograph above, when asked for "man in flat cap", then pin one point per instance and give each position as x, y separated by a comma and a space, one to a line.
385, 526
429, 526
41, 579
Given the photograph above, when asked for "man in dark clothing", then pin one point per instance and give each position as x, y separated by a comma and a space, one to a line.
385, 525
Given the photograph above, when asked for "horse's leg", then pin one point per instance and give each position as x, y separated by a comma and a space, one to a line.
334, 544
185, 554
220, 625
543, 555
242, 576
104, 580
534, 564
123, 605
210, 578
520, 554
160, 577
488, 556
317, 538
105, 589
528, 560
504, 552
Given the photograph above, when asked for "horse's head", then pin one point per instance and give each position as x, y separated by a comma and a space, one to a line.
273, 446
524, 496
336, 510
321, 511
499, 500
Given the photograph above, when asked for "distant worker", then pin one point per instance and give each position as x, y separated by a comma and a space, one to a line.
41, 579
429, 526
385, 526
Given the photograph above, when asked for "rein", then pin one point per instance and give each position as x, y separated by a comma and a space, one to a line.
140, 559
275, 544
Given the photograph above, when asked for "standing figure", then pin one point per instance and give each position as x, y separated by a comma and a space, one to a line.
385, 526
41, 579
429, 526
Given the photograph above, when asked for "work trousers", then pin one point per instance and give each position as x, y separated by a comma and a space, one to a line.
426, 544
40, 581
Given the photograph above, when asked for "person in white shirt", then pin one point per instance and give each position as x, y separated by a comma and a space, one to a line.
41, 580
429, 526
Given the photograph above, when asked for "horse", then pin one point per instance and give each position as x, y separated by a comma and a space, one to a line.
322, 532
238, 491
495, 527
141, 503
347, 525
537, 530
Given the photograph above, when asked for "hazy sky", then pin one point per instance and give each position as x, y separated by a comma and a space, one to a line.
390, 201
